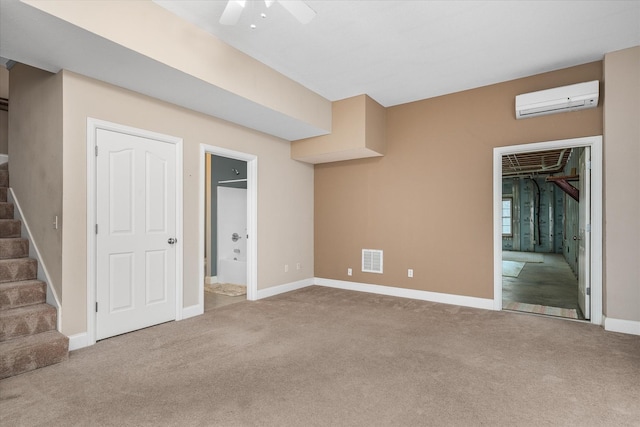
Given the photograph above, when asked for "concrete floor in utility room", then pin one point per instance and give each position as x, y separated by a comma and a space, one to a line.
548, 283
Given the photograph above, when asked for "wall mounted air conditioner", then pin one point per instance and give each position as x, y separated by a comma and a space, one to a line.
558, 100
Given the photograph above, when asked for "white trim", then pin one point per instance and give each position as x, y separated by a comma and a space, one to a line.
78, 341
461, 300
4, 158
92, 126
287, 287
252, 217
595, 142
192, 311
211, 280
619, 325
43, 273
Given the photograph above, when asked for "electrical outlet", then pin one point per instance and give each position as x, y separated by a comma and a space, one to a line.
286, 268
349, 272
298, 266
410, 272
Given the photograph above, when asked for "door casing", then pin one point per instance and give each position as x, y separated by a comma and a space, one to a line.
92, 127
595, 143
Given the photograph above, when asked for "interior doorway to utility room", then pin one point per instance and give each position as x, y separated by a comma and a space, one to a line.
225, 231
545, 265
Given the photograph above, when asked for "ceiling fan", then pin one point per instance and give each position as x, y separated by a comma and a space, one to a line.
298, 8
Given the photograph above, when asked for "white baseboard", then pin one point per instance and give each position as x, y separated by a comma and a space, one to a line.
4, 158
287, 287
192, 311
211, 280
624, 326
78, 341
465, 301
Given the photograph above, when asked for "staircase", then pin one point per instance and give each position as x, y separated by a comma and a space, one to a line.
28, 336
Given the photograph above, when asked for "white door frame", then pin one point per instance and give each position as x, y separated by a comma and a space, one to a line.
252, 218
595, 142
92, 130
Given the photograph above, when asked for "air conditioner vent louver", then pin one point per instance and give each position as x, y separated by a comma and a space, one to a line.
372, 261
558, 100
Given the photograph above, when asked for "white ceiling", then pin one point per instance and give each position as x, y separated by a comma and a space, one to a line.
403, 51
394, 51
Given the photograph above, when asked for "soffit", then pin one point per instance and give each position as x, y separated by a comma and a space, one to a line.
394, 51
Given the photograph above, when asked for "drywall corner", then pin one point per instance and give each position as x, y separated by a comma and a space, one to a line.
358, 131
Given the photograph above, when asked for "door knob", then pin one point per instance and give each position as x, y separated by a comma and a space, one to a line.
172, 240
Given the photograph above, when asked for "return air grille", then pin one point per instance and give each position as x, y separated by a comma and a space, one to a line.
372, 261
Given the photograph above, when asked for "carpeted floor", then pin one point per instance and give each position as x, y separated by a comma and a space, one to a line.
322, 356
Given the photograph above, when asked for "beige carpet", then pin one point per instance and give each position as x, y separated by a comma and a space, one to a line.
226, 289
542, 309
327, 357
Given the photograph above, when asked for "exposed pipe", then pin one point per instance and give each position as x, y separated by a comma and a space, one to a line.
525, 170
537, 213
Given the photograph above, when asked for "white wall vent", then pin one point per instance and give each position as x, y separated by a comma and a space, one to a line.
372, 261
558, 100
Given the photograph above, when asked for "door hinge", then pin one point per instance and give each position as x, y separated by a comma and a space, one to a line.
96, 306
96, 228
96, 150
588, 291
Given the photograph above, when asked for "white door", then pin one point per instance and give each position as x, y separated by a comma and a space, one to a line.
136, 218
584, 234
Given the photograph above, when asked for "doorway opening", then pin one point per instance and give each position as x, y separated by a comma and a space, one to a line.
547, 241
225, 231
228, 227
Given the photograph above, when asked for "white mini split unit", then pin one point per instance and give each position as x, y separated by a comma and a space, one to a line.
558, 100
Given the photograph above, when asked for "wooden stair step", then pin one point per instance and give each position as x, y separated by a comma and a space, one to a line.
28, 320
32, 352
3, 194
14, 247
10, 228
20, 294
18, 269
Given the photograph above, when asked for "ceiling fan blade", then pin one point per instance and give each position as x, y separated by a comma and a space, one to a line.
232, 12
299, 9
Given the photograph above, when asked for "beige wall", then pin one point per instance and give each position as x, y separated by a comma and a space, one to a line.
622, 184
285, 188
35, 159
428, 202
4, 115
